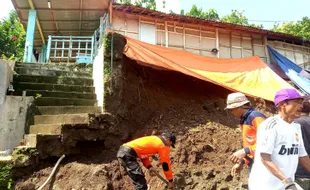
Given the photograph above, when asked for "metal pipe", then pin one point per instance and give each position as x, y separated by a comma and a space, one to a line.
37, 22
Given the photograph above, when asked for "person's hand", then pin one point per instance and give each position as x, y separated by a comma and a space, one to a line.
237, 156
152, 172
236, 169
170, 185
289, 184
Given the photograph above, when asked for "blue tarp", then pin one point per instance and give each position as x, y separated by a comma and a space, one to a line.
293, 71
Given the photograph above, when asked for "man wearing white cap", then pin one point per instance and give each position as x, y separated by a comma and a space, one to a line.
250, 119
280, 146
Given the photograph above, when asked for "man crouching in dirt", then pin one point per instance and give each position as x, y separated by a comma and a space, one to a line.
143, 148
250, 119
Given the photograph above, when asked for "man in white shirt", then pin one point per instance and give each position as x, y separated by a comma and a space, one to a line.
279, 146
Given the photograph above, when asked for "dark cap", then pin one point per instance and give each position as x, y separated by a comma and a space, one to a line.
171, 137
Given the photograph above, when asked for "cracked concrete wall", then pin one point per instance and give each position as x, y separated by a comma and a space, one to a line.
13, 114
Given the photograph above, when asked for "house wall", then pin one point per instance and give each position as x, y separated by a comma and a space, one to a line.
197, 39
296, 53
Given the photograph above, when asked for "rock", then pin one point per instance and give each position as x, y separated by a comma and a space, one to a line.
188, 181
197, 173
179, 180
229, 178
210, 174
208, 148
100, 170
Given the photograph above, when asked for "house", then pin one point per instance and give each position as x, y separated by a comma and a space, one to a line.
205, 37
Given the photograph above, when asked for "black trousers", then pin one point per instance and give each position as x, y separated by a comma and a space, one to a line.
128, 159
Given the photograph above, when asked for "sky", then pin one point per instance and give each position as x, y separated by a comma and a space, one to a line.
262, 10
5, 7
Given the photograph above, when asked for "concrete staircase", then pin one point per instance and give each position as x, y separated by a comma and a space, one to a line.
66, 110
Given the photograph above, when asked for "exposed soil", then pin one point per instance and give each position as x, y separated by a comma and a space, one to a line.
146, 101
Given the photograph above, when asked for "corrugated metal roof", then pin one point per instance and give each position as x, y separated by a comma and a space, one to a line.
66, 17
131, 9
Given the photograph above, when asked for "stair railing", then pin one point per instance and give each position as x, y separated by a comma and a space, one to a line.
79, 49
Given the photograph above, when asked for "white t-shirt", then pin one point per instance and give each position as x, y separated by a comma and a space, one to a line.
285, 144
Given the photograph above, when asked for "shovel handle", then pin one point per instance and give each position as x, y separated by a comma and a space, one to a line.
160, 177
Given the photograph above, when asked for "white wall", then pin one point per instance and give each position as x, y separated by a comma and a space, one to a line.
98, 72
198, 39
296, 53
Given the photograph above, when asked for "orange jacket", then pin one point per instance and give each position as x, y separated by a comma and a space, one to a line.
150, 145
249, 125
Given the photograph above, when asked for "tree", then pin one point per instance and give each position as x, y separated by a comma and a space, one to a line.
12, 37
149, 4
125, 1
182, 12
198, 12
212, 14
300, 28
237, 17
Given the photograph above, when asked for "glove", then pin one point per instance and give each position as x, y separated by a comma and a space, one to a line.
289, 184
171, 185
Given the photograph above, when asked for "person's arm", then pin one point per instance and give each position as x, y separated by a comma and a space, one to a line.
164, 154
255, 123
146, 162
304, 159
305, 162
237, 156
271, 166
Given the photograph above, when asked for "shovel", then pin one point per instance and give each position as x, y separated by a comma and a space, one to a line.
160, 177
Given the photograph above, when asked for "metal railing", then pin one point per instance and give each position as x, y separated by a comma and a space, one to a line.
78, 49
305, 65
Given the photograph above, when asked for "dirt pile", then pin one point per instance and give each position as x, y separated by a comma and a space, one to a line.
147, 101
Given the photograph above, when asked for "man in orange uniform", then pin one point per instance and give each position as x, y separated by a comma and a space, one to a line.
143, 148
250, 119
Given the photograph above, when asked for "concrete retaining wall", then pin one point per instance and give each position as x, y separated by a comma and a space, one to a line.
6, 73
13, 113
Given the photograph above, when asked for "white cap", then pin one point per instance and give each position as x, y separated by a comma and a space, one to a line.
235, 100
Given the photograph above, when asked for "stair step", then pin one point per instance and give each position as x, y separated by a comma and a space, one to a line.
59, 66
20, 86
56, 94
53, 80
52, 129
59, 128
33, 140
46, 144
55, 110
47, 72
63, 119
51, 101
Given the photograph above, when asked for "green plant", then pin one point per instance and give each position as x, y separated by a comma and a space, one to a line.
107, 39
30, 151
6, 181
38, 95
12, 37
